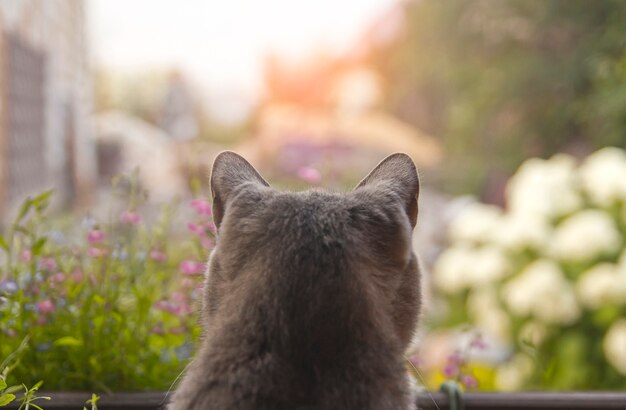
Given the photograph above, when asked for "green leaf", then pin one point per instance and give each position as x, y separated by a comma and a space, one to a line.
6, 399
3, 243
41, 200
24, 208
68, 341
3, 384
38, 246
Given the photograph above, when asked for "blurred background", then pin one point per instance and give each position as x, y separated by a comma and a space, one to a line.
468, 89
317, 93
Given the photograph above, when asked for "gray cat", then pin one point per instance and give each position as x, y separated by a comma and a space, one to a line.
311, 298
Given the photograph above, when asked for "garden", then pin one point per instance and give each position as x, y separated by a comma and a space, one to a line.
529, 297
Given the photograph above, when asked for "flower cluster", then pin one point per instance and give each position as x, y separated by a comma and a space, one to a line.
549, 270
85, 292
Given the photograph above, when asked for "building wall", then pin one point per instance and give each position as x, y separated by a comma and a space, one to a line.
56, 28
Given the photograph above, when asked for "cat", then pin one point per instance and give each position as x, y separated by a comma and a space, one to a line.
311, 298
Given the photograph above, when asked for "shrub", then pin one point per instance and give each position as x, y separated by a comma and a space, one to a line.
548, 273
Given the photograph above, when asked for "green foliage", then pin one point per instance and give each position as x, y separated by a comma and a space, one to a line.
7, 395
93, 402
107, 305
500, 81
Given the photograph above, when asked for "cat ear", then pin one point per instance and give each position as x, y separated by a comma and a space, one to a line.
398, 173
230, 171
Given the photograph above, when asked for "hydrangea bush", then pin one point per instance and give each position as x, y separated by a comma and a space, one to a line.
106, 304
547, 275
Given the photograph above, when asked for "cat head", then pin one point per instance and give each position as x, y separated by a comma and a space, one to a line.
298, 247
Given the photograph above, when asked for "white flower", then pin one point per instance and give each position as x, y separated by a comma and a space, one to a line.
462, 267
603, 176
603, 284
512, 375
450, 270
585, 235
519, 230
489, 265
485, 310
615, 345
475, 223
546, 188
542, 291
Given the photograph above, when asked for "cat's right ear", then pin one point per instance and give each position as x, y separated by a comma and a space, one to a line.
397, 173
229, 171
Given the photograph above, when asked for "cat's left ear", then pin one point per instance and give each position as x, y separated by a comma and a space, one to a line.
229, 172
397, 173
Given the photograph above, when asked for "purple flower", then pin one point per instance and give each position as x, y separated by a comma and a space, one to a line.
95, 236
45, 306
129, 217
8, 286
478, 343
202, 207
310, 175
469, 381
451, 370
48, 264
189, 267
158, 256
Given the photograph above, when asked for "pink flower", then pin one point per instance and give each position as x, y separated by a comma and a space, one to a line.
58, 277
178, 297
310, 175
158, 256
26, 256
129, 217
202, 207
161, 305
77, 275
48, 264
197, 229
187, 283
96, 252
45, 307
210, 226
191, 267
95, 236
